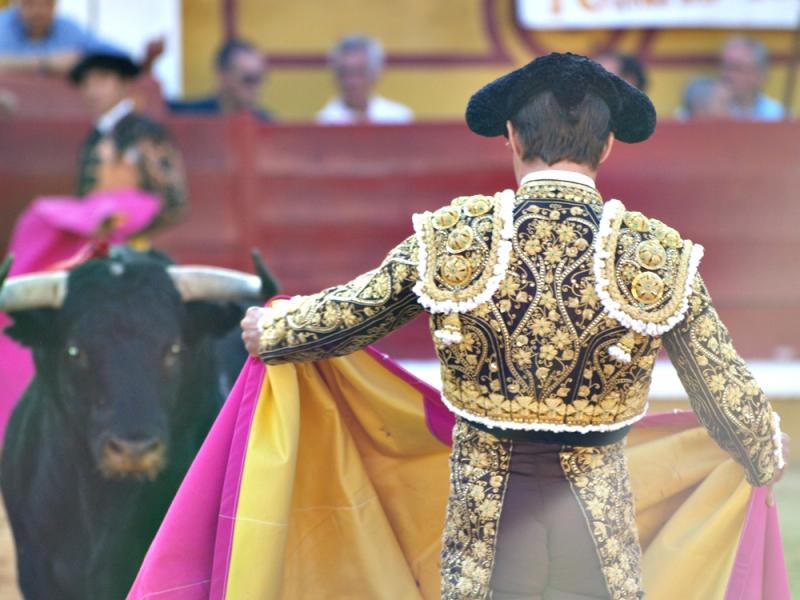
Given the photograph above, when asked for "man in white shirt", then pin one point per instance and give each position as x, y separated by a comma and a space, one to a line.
744, 62
357, 62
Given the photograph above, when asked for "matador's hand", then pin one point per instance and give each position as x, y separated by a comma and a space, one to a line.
251, 332
779, 472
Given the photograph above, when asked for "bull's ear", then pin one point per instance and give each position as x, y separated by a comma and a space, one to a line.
33, 328
212, 319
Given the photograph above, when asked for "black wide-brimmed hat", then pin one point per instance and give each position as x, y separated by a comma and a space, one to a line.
569, 77
107, 58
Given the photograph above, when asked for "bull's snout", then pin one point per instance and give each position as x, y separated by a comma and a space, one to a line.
133, 458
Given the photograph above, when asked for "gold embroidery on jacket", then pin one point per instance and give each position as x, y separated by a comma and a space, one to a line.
346, 318
600, 481
478, 477
460, 244
723, 393
537, 352
648, 267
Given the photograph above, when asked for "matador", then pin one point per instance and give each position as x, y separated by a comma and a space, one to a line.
547, 306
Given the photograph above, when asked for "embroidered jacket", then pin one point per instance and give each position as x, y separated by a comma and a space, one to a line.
548, 309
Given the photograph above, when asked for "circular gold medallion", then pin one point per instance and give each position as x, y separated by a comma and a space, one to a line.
636, 221
455, 270
672, 239
647, 287
478, 206
446, 217
651, 255
658, 229
460, 239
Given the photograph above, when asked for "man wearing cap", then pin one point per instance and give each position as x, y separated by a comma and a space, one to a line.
125, 149
548, 307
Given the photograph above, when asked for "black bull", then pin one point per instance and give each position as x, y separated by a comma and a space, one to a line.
127, 385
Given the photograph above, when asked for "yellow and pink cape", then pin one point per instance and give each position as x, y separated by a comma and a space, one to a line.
330, 479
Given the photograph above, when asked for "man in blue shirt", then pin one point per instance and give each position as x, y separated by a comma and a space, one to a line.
33, 38
743, 67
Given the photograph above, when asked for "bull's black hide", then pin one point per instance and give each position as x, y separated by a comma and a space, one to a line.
126, 388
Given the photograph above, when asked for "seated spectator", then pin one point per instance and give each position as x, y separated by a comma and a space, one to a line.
357, 62
706, 98
626, 66
125, 149
33, 38
744, 62
241, 69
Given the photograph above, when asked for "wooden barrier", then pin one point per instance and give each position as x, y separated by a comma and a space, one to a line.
325, 204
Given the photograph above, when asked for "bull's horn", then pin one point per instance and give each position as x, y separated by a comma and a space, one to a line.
40, 290
214, 283
5, 268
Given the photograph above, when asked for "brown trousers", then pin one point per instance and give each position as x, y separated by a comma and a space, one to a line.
544, 547
533, 520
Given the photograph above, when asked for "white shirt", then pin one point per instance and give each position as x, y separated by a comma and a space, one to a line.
559, 175
379, 110
108, 120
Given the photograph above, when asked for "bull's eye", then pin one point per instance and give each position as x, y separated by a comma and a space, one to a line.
175, 349
73, 351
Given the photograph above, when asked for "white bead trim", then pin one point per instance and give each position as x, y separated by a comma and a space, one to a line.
620, 354
552, 427
506, 215
279, 310
777, 439
448, 337
612, 210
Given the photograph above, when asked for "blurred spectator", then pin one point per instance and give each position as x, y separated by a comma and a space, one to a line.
706, 98
33, 38
125, 149
626, 66
241, 69
357, 62
743, 66
8, 103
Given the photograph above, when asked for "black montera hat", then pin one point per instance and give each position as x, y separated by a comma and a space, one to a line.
107, 58
569, 77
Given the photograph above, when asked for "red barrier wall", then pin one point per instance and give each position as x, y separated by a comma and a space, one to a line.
325, 204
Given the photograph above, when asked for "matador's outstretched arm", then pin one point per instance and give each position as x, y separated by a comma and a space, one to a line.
345, 318
722, 391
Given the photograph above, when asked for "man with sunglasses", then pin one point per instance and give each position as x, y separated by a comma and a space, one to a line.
241, 70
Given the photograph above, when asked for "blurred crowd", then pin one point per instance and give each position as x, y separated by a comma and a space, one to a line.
33, 38
128, 149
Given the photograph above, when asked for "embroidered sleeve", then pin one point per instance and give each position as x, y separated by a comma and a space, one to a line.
723, 393
345, 318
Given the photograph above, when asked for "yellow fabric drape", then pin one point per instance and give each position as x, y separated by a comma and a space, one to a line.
344, 494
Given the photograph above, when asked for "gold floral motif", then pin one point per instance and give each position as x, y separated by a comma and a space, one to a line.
446, 217
636, 221
538, 350
560, 190
444, 279
672, 239
623, 269
647, 287
723, 393
456, 271
477, 206
460, 240
600, 482
651, 255
478, 476
345, 318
